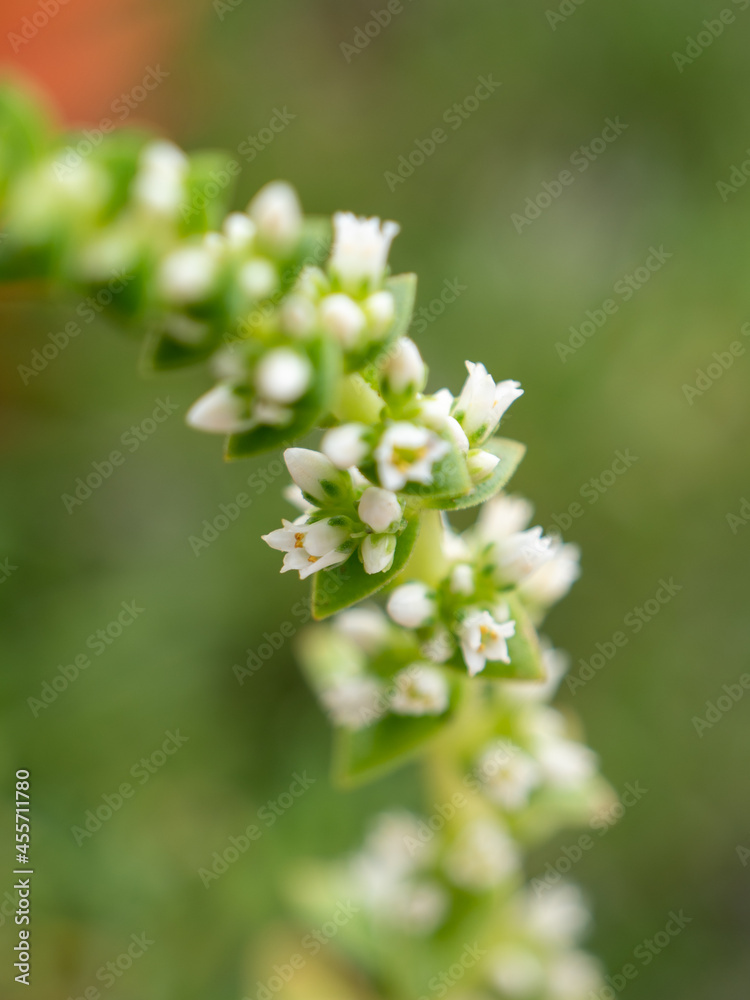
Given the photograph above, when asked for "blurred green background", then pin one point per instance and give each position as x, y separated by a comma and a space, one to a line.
231, 69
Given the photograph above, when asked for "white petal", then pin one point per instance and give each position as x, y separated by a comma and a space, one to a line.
345, 446
258, 278
378, 552
342, 318
219, 411
412, 605
283, 375
309, 469
360, 249
276, 212
405, 368
322, 536
188, 274
379, 508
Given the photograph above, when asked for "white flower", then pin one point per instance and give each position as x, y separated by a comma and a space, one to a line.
521, 554
572, 976
367, 627
502, 517
239, 230
360, 249
482, 402
481, 464
566, 763
380, 310
342, 318
378, 552
517, 972
407, 453
276, 212
345, 445
482, 857
558, 917
160, 182
379, 509
219, 411
315, 474
354, 703
283, 375
188, 274
258, 278
309, 547
554, 578
435, 412
412, 605
462, 579
510, 776
405, 370
421, 689
483, 639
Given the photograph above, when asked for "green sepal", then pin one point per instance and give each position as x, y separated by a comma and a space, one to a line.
201, 211
510, 454
365, 754
325, 356
450, 477
339, 588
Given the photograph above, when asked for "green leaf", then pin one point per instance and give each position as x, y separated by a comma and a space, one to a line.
208, 185
450, 477
325, 356
25, 132
523, 648
339, 588
162, 352
510, 454
361, 756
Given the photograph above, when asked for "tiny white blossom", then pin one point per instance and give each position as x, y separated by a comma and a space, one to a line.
462, 579
482, 639
378, 552
276, 212
188, 274
379, 509
283, 375
517, 972
554, 578
258, 278
519, 555
367, 627
360, 249
380, 310
482, 402
219, 411
509, 779
159, 184
435, 412
239, 230
412, 605
309, 547
481, 464
421, 689
566, 763
503, 516
345, 445
558, 917
407, 453
405, 370
482, 857
342, 318
353, 703
315, 474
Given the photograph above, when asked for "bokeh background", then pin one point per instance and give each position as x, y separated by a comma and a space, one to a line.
230, 69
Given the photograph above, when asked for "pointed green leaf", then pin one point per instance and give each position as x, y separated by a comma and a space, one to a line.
325, 356
510, 454
336, 589
450, 477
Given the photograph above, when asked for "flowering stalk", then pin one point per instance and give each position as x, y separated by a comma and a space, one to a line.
301, 325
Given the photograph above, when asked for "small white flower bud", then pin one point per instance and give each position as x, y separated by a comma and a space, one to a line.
258, 278
219, 411
283, 375
298, 316
343, 318
462, 579
481, 464
345, 445
412, 605
378, 552
405, 370
360, 249
315, 474
380, 310
379, 508
159, 183
421, 689
239, 230
276, 212
188, 274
